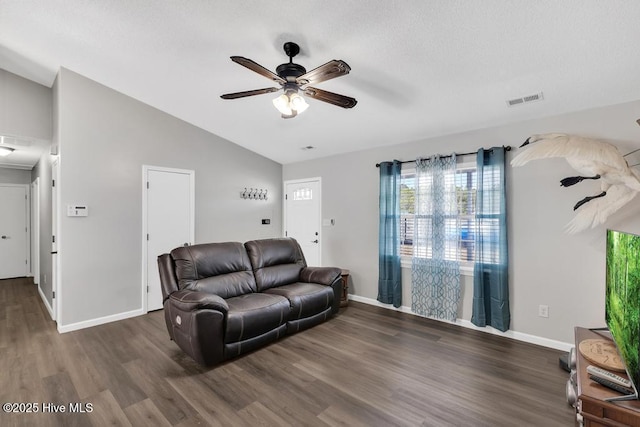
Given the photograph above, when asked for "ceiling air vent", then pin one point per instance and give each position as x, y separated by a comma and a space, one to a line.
525, 99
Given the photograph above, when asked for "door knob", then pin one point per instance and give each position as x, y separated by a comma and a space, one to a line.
314, 241
5, 237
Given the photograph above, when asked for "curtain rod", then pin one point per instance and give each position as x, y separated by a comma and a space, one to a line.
507, 148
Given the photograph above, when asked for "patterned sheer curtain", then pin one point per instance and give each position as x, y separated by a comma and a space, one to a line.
491, 269
435, 270
389, 268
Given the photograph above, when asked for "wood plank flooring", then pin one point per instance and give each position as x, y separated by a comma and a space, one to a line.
365, 367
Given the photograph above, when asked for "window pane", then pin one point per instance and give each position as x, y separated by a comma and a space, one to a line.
488, 239
466, 248
491, 189
465, 180
407, 209
303, 194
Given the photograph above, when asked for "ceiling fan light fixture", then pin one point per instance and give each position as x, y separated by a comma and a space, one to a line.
282, 104
290, 104
5, 151
298, 103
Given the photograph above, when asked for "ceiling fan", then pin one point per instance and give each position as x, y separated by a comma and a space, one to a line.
294, 78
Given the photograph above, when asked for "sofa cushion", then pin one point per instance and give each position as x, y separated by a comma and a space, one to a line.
305, 299
222, 269
275, 262
254, 314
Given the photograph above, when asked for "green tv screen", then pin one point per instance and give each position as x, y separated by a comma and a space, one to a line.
622, 309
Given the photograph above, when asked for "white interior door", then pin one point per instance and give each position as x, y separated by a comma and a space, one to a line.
169, 220
14, 237
302, 216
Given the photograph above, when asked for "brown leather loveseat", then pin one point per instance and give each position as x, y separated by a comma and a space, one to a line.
225, 299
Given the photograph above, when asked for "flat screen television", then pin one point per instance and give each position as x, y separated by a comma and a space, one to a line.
622, 301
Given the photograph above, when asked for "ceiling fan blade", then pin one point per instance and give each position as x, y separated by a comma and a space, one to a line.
328, 71
236, 95
254, 66
330, 97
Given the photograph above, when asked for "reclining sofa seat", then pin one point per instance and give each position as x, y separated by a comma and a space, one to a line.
279, 268
225, 299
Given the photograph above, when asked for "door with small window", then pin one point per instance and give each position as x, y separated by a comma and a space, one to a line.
302, 216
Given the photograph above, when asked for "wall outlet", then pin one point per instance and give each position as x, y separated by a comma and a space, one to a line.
543, 310
45, 278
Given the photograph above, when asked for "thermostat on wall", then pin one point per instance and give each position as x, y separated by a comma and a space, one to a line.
77, 210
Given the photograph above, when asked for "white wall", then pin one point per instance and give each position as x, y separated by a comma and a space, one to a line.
565, 272
104, 139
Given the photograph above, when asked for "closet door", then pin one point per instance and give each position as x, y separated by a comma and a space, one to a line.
14, 235
169, 221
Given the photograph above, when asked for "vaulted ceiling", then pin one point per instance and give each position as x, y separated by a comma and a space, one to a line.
419, 68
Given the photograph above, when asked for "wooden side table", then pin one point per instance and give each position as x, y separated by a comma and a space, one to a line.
344, 299
592, 407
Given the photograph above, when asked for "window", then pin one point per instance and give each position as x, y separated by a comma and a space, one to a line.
303, 194
465, 182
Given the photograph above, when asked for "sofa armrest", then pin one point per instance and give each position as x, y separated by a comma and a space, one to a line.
187, 300
321, 275
196, 323
328, 276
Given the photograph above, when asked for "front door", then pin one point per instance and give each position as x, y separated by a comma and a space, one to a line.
302, 213
14, 247
169, 221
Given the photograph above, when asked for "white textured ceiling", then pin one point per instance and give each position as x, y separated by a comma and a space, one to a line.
419, 68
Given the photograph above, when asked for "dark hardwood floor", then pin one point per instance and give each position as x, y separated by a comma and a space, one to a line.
365, 367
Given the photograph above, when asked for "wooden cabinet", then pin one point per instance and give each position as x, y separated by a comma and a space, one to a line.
592, 407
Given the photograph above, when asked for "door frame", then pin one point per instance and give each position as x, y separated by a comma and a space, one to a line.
27, 220
56, 286
145, 224
317, 179
35, 231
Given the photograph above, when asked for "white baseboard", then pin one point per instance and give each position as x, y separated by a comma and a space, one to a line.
46, 303
520, 336
99, 321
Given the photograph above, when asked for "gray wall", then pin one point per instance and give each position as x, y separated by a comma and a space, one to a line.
565, 272
14, 176
25, 107
26, 111
104, 139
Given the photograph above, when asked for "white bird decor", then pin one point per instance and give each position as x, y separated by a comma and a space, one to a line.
592, 159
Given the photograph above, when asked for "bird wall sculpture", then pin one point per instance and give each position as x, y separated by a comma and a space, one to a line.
593, 160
